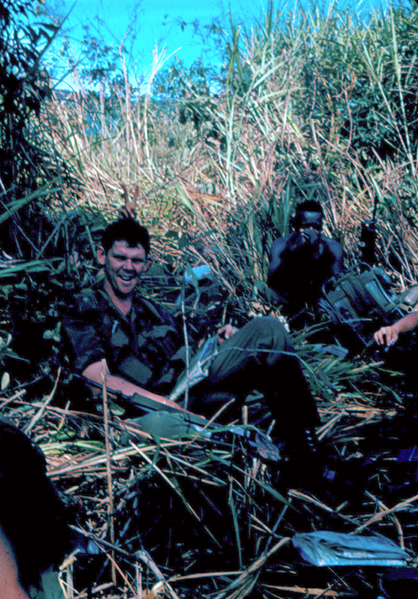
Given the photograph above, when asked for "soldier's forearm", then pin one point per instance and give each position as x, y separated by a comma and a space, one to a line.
119, 385
407, 323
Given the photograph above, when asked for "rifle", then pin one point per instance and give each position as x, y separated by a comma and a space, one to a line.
256, 439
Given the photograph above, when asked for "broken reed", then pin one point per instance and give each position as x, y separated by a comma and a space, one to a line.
198, 514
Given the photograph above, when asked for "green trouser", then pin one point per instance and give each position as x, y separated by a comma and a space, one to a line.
260, 356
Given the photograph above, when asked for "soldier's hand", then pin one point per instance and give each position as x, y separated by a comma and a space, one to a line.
386, 335
225, 332
308, 237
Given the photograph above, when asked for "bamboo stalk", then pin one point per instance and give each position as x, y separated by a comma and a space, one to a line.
109, 471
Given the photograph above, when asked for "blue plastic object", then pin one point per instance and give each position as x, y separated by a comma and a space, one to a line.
324, 548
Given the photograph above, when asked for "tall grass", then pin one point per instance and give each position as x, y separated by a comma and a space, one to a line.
311, 104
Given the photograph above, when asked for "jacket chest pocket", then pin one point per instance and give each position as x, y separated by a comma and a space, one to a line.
141, 340
119, 339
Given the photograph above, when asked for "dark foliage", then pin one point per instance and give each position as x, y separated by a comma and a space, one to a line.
27, 164
23, 85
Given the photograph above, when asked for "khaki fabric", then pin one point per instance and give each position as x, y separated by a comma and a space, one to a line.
165, 425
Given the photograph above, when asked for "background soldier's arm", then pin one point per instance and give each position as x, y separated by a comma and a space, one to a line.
389, 335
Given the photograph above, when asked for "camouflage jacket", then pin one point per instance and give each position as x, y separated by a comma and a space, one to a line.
143, 347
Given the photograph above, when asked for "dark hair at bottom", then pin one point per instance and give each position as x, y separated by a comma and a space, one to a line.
126, 229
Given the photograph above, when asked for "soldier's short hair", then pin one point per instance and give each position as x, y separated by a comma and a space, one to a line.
126, 229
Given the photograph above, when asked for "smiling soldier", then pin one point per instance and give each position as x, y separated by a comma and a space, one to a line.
142, 342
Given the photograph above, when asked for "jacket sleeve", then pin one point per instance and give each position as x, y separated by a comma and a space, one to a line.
82, 334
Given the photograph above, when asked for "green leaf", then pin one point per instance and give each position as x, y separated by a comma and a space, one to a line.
51, 588
5, 380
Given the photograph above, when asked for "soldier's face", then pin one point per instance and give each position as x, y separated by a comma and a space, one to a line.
310, 220
309, 227
124, 266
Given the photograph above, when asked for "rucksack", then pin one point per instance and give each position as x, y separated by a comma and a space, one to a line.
363, 298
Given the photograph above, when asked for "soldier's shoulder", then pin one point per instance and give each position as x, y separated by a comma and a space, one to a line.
333, 244
283, 239
155, 308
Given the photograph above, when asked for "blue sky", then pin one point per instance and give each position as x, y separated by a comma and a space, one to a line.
155, 23
158, 22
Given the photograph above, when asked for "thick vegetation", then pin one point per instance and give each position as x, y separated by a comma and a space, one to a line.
307, 105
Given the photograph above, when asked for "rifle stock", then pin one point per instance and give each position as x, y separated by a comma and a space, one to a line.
148, 404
